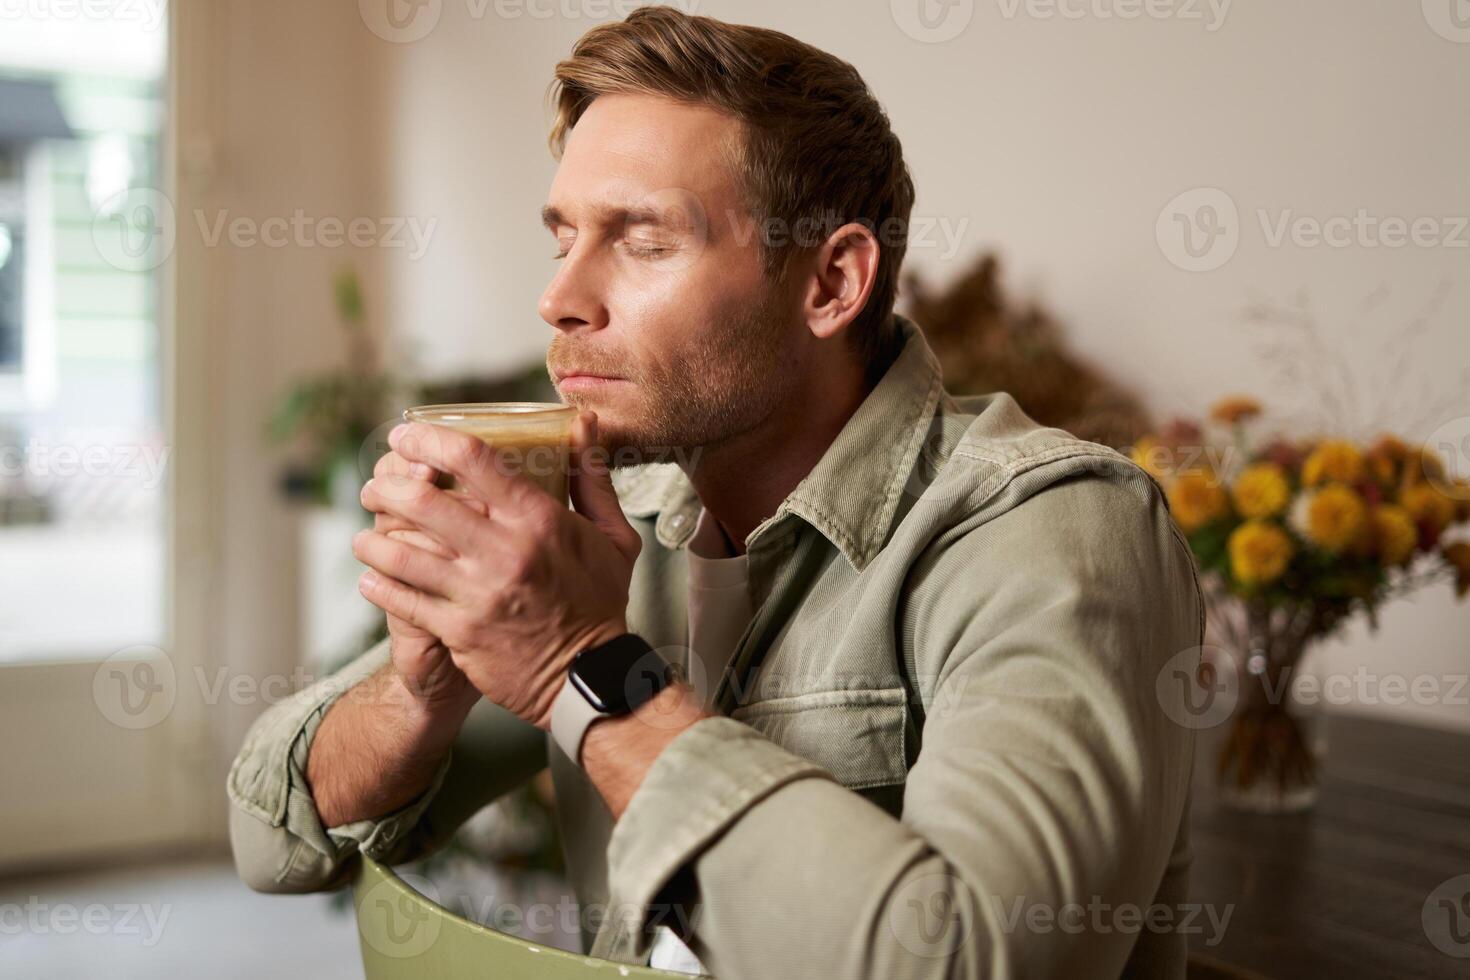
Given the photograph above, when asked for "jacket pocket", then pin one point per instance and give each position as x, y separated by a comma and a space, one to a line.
856, 735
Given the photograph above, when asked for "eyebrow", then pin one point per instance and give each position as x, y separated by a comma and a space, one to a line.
608, 214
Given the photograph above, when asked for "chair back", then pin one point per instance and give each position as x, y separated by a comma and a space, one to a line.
406, 936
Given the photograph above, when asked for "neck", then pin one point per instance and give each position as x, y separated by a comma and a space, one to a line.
744, 479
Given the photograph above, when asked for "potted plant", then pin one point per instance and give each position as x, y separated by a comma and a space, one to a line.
1295, 538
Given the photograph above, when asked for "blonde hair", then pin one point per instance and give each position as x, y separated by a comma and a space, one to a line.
817, 147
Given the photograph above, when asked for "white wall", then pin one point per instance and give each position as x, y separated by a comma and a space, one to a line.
1059, 141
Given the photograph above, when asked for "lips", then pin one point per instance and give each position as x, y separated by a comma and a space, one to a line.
581, 383
560, 376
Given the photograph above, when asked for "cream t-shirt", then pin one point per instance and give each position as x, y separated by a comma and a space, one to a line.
719, 611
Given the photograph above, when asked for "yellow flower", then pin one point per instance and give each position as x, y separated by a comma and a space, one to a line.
1427, 506
1235, 410
1458, 555
1394, 536
1331, 518
1262, 491
1196, 498
1152, 456
1421, 465
1260, 551
1334, 461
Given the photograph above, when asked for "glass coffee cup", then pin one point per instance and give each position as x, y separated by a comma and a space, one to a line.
531, 440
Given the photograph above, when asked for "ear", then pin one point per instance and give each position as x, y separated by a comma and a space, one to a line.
845, 267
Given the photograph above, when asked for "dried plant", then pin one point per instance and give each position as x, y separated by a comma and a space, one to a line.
987, 342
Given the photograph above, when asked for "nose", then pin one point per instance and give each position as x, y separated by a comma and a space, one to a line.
573, 299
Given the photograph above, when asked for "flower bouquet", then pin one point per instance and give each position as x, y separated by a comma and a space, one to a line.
1293, 539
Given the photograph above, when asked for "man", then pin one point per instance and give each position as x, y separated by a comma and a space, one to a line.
917, 729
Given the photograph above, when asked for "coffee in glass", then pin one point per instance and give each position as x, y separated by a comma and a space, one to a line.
530, 439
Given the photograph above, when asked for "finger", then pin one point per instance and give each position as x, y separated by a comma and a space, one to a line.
428, 613
471, 501
463, 456
592, 491
424, 507
385, 523
392, 464
405, 562
421, 540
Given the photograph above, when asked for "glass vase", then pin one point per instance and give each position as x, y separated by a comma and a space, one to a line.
1275, 741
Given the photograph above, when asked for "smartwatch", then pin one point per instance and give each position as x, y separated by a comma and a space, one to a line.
606, 681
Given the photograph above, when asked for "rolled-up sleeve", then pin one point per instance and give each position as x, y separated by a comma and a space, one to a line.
1052, 781
276, 834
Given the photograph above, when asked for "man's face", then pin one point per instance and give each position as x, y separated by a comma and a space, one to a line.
665, 323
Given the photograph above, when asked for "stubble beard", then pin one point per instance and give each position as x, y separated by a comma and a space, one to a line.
726, 381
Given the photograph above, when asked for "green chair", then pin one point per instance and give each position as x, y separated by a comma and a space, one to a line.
405, 935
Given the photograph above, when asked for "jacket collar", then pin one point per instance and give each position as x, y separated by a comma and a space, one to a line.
853, 492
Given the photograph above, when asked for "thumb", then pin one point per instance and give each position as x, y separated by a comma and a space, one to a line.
591, 486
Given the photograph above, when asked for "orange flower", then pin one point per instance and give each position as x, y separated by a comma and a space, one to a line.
1196, 498
1331, 518
1428, 507
1261, 491
1152, 456
1458, 555
1391, 446
1334, 461
1235, 410
1391, 535
1461, 496
1385, 458
1260, 552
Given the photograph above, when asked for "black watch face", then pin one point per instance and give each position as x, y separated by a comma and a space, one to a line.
620, 675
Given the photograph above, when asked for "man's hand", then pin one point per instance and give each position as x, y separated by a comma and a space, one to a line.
380, 743
514, 590
421, 662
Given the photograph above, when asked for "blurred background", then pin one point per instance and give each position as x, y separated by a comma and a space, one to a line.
237, 238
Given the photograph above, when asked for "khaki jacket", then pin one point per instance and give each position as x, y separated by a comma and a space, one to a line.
944, 747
